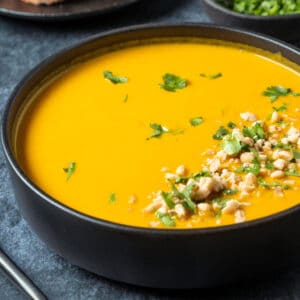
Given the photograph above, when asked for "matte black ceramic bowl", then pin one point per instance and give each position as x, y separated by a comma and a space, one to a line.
285, 27
143, 256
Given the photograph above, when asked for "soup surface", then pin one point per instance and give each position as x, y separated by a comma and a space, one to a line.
107, 136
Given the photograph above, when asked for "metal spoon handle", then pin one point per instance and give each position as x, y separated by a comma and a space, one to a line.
19, 278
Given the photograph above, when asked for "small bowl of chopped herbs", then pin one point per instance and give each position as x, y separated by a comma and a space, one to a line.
280, 18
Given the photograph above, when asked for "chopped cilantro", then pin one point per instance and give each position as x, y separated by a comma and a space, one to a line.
180, 179
254, 168
158, 130
195, 176
292, 172
112, 198
168, 199
274, 92
212, 76
255, 132
229, 192
113, 78
201, 174
221, 132
266, 184
185, 195
173, 82
166, 219
296, 154
70, 170
280, 145
270, 166
281, 108
125, 98
231, 145
196, 121
262, 7
222, 203
231, 125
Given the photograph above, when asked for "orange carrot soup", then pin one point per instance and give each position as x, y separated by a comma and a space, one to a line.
168, 135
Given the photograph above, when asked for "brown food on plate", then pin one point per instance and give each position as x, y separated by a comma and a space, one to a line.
38, 2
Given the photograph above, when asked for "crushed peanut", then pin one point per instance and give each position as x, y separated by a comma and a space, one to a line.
248, 159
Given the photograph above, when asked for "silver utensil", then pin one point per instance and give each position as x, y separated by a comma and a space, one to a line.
19, 278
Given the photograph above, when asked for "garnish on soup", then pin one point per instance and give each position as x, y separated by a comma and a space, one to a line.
159, 130
274, 92
114, 78
249, 158
173, 82
70, 170
196, 121
211, 76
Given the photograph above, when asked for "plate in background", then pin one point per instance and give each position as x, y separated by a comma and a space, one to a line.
70, 9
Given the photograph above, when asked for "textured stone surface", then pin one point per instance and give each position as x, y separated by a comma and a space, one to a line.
22, 46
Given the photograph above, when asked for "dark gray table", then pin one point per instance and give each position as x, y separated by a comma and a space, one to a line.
22, 46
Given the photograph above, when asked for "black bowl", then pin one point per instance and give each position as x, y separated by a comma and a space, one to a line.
152, 257
281, 26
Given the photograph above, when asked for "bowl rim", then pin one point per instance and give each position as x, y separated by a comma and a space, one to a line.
227, 11
8, 153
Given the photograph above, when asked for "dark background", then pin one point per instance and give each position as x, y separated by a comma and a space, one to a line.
24, 44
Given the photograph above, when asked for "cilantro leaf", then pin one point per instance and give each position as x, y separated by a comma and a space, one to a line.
222, 203
187, 192
266, 184
280, 145
270, 166
221, 132
195, 176
166, 219
255, 132
281, 108
112, 198
200, 174
212, 76
113, 78
196, 121
231, 125
296, 154
231, 145
168, 199
173, 82
70, 170
254, 168
185, 195
158, 130
292, 172
274, 92
229, 192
